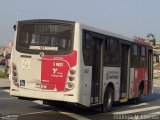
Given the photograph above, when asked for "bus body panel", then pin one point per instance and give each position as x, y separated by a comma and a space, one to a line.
112, 75
77, 91
145, 92
34, 78
140, 75
46, 76
137, 76
131, 88
55, 70
87, 85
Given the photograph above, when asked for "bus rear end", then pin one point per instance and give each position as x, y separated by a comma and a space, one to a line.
43, 64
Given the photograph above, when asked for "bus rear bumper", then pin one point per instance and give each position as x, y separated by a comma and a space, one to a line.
45, 95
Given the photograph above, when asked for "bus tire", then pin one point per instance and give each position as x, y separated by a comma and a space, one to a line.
108, 99
139, 96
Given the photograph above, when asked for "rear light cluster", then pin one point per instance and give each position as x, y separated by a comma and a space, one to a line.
14, 75
70, 83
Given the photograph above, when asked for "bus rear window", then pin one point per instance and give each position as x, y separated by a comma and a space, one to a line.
49, 38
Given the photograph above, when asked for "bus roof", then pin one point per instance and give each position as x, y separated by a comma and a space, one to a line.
105, 32
46, 20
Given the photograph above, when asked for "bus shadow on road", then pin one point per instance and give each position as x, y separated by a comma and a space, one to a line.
63, 107
151, 98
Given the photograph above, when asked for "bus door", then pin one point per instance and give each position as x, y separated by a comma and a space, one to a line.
124, 80
96, 71
150, 69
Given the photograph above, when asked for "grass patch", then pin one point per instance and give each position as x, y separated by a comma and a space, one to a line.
3, 74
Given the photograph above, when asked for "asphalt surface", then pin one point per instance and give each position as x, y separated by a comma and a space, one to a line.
11, 107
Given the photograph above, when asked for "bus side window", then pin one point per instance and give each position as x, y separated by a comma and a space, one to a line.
87, 49
143, 56
106, 54
113, 51
134, 56
111, 55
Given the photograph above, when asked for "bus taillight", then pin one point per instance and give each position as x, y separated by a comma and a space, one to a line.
14, 75
71, 78
70, 83
72, 72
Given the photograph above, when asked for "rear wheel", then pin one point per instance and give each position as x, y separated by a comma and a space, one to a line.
108, 99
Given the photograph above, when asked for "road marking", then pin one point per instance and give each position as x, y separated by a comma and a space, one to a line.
78, 117
32, 113
139, 105
73, 115
7, 90
65, 113
156, 85
38, 102
132, 106
7, 98
155, 113
137, 110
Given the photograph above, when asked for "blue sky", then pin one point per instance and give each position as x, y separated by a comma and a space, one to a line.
126, 17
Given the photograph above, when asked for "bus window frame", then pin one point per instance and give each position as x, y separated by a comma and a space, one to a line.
139, 56
47, 52
110, 53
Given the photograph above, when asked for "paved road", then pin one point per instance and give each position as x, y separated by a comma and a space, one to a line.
35, 110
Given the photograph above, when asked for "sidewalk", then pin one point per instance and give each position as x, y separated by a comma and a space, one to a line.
4, 83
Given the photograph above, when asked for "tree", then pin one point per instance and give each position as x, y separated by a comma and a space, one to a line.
151, 38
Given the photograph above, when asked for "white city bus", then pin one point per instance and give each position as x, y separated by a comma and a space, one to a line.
56, 60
